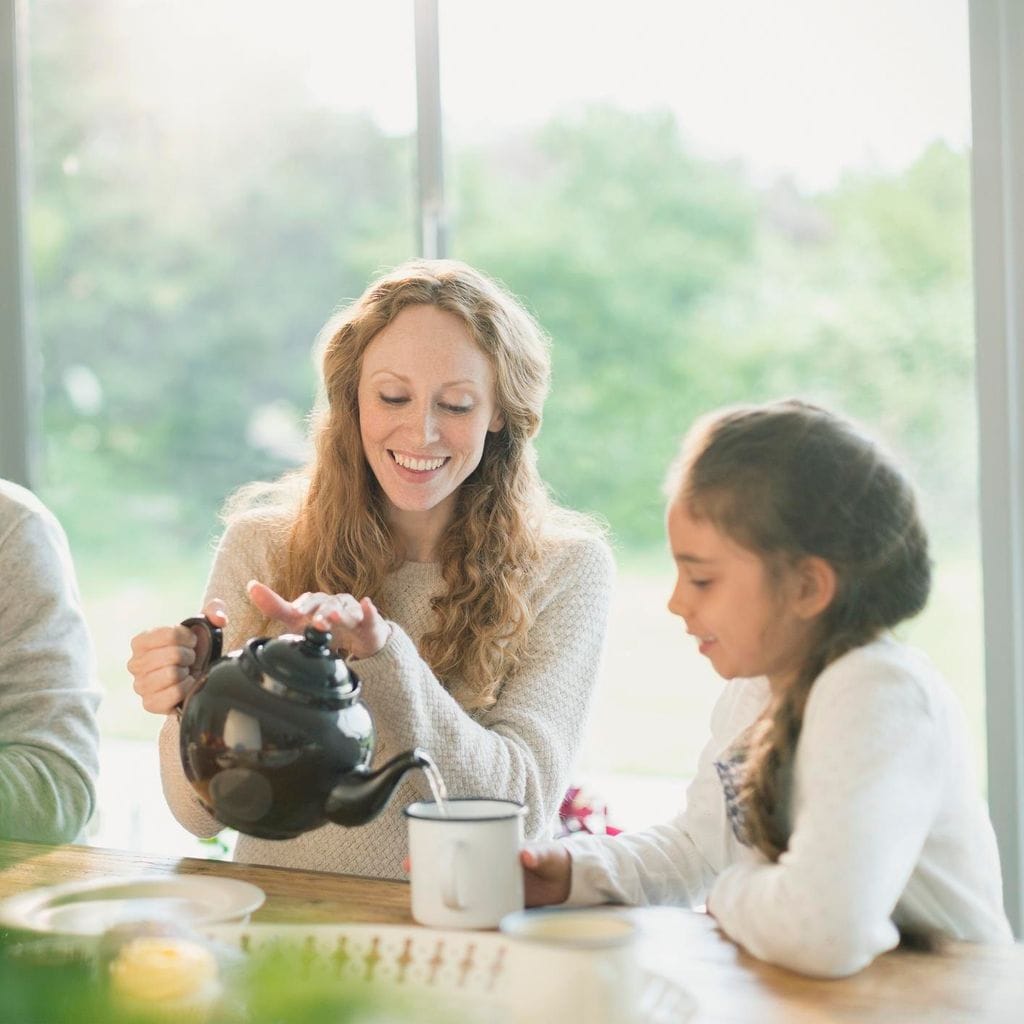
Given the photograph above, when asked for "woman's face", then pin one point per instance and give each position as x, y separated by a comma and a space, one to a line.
426, 403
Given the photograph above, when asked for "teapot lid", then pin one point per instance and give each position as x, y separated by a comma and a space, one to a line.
306, 663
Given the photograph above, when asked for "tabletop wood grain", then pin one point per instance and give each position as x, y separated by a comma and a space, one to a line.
292, 896
963, 984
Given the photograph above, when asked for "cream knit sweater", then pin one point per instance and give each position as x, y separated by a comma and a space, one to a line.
887, 826
522, 748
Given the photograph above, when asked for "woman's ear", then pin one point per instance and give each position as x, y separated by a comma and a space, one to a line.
817, 583
497, 422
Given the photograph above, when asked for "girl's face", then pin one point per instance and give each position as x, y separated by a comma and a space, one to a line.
426, 403
747, 622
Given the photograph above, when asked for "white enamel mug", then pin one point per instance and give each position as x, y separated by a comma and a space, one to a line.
465, 866
584, 966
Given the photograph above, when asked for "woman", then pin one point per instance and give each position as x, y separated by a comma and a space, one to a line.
472, 608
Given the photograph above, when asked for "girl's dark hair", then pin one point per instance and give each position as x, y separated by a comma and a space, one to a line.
789, 480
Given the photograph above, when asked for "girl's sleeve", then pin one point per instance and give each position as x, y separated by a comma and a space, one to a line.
673, 863
867, 784
523, 747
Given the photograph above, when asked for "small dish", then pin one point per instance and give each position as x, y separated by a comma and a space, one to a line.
584, 928
593, 971
93, 906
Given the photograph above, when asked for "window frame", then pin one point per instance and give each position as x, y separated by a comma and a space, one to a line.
432, 209
997, 195
19, 373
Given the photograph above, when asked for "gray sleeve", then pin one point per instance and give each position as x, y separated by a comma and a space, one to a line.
523, 748
49, 739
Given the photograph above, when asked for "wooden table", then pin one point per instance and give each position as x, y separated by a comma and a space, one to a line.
966, 984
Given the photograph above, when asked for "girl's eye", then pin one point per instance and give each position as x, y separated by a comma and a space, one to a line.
700, 584
393, 399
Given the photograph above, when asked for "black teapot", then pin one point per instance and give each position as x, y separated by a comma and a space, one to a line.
275, 739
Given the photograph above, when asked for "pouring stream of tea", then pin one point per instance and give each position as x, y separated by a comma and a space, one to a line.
437, 786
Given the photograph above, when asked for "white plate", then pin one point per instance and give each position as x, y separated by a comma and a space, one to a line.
93, 906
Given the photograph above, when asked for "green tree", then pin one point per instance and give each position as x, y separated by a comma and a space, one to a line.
183, 266
616, 237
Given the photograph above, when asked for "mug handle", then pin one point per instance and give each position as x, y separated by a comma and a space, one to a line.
453, 865
209, 644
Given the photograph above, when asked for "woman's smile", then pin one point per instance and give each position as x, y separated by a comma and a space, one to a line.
419, 467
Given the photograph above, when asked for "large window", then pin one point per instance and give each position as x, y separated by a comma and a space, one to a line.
702, 203
716, 203
209, 182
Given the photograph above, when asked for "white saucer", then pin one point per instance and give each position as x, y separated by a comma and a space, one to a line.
93, 906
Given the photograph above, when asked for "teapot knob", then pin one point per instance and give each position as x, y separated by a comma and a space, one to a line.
317, 638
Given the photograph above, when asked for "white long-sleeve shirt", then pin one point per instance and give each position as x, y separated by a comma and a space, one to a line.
887, 825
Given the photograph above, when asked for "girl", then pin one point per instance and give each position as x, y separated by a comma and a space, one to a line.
471, 607
834, 805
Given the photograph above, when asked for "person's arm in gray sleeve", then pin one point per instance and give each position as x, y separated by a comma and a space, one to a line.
49, 740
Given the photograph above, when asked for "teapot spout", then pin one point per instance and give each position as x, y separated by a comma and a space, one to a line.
360, 795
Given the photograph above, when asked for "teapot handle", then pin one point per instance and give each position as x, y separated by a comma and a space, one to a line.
209, 643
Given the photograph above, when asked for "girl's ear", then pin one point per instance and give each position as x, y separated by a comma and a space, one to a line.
816, 587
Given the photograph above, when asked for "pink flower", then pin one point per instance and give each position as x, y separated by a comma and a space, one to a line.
584, 812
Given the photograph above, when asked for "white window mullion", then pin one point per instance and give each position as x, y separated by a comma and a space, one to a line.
997, 106
432, 213
16, 390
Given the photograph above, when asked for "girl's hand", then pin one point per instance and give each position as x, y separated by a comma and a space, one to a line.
547, 873
356, 626
162, 660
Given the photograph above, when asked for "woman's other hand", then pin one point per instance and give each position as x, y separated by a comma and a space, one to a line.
162, 660
356, 626
547, 873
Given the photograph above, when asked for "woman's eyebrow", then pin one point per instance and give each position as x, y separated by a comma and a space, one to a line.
447, 384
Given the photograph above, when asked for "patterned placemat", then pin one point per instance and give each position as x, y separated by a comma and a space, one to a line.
481, 973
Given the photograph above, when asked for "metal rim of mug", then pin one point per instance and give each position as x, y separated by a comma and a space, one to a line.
515, 809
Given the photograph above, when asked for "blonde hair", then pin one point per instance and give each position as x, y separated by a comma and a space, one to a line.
339, 539
789, 480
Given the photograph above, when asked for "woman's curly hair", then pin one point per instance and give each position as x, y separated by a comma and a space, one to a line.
339, 539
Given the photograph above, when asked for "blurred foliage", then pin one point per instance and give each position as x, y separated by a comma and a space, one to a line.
57, 980
672, 286
185, 261
185, 268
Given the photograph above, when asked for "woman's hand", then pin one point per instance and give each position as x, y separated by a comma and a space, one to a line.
356, 626
162, 660
547, 873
